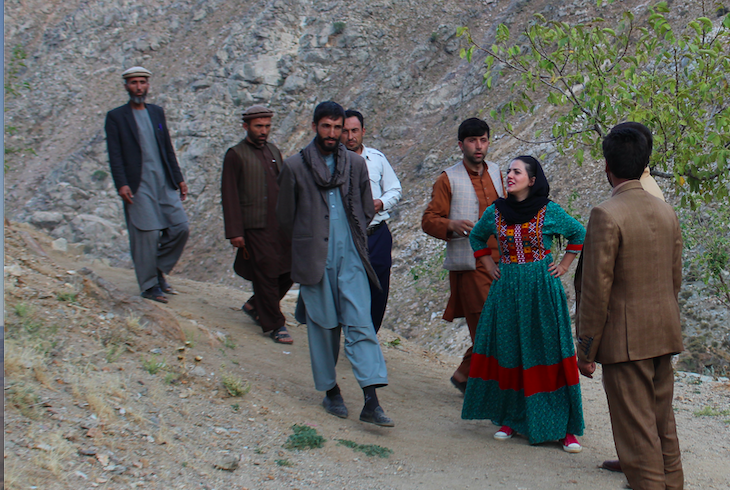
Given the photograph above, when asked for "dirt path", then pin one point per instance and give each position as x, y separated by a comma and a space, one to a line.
432, 447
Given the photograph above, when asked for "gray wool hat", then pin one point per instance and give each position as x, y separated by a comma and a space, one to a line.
257, 111
136, 71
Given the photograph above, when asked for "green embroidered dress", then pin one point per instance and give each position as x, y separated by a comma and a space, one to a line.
523, 370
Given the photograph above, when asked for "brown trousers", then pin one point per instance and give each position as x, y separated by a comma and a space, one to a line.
640, 403
472, 320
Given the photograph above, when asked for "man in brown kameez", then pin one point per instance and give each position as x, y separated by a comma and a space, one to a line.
249, 192
451, 215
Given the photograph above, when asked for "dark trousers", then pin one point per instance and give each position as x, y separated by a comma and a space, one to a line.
380, 245
267, 295
639, 397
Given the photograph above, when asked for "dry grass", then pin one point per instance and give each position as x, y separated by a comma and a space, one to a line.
54, 454
19, 357
15, 476
133, 324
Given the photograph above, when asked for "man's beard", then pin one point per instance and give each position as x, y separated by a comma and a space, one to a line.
137, 99
473, 160
326, 146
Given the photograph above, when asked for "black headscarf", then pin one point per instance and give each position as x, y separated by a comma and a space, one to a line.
518, 212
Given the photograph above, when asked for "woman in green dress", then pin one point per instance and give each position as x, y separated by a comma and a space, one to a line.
524, 375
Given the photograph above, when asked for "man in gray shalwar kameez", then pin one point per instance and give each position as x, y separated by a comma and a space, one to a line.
148, 179
325, 204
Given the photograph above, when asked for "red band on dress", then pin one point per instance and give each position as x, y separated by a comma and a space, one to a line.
575, 247
537, 379
482, 252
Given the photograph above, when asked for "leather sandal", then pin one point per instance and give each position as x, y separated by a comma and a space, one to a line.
281, 336
155, 294
251, 312
164, 285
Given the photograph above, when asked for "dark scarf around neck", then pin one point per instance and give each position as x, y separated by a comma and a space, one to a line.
321, 173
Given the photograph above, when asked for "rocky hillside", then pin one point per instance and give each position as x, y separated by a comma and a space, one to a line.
396, 61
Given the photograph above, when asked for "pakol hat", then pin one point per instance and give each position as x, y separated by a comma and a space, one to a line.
136, 71
256, 111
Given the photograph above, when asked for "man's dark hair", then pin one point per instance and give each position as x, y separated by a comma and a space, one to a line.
328, 109
473, 127
353, 113
625, 151
646, 132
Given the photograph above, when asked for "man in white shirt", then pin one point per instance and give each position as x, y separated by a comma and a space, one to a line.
386, 191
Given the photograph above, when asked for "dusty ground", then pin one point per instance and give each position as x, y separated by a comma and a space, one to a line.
82, 411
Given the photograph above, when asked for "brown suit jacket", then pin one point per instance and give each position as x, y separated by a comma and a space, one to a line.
243, 188
629, 279
303, 213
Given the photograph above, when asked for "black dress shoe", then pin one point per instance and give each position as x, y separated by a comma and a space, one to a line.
612, 465
335, 406
376, 417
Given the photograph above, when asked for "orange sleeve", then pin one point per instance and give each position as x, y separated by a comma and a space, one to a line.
435, 221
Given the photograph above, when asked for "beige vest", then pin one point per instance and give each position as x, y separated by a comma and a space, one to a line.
465, 205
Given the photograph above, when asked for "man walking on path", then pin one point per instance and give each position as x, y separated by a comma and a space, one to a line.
249, 191
325, 204
628, 315
148, 179
460, 196
386, 190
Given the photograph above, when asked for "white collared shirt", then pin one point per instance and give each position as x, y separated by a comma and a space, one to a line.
384, 184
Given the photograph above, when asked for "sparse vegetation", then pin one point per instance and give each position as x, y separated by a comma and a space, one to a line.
367, 449
23, 397
304, 437
66, 296
99, 175
338, 27
234, 385
152, 365
709, 411
283, 462
228, 342
113, 352
22, 309
395, 342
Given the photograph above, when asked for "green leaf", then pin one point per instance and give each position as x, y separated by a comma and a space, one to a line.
706, 23
460, 31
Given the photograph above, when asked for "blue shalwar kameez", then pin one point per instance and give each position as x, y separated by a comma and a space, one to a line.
342, 299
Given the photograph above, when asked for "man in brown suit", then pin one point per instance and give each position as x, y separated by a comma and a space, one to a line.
628, 315
249, 192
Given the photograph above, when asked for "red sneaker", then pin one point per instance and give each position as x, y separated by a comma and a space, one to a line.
571, 444
504, 433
